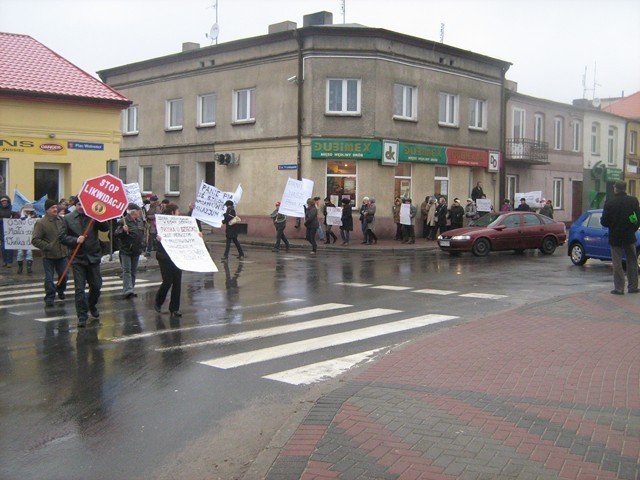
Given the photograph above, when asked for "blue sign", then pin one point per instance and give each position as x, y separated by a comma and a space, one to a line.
288, 166
85, 146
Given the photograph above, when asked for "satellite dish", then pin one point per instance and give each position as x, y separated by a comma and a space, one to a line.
596, 102
213, 33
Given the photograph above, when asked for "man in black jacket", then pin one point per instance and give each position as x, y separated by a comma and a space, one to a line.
621, 215
130, 233
86, 264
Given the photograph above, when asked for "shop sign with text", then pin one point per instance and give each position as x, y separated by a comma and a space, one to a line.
33, 146
357, 149
413, 152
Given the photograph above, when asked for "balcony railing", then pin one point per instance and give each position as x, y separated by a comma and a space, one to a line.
527, 151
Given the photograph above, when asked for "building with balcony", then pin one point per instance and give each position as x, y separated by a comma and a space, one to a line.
360, 111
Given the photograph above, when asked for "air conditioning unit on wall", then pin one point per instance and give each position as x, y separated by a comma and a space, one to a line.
227, 158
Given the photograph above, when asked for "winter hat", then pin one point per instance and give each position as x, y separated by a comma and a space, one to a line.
228, 203
277, 204
346, 200
28, 207
48, 203
133, 206
154, 198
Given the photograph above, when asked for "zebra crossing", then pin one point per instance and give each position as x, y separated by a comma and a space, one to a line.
428, 291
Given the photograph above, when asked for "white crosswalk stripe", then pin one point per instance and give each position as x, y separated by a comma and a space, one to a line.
428, 291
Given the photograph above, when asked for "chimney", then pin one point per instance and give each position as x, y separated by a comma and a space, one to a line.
282, 27
188, 46
318, 18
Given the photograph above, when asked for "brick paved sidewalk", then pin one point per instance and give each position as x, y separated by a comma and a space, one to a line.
544, 392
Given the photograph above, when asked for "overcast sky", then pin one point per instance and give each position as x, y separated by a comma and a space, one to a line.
549, 42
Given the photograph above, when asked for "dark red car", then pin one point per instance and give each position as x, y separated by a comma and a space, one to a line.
505, 231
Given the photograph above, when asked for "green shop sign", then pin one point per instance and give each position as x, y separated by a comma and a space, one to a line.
414, 152
359, 149
614, 174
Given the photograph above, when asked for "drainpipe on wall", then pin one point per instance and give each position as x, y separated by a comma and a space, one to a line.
502, 187
299, 82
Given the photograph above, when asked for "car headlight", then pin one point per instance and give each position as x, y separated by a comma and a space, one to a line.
439, 237
461, 237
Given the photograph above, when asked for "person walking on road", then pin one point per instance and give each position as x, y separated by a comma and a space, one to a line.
26, 255
86, 264
46, 237
231, 232
621, 215
170, 273
347, 221
312, 224
280, 222
130, 233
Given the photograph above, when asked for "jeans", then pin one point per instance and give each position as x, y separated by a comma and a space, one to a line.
129, 271
280, 237
365, 229
632, 266
7, 255
171, 279
83, 274
24, 255
52, 265
311, 238
345, 234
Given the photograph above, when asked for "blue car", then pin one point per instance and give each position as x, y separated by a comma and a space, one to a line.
588, 239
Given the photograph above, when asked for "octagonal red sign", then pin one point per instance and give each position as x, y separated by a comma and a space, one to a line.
103, 197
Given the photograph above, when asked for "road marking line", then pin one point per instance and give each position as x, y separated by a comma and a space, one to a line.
488, 296
284, 329
317, 343
436, 292
317, 372
391, 287
353, 284
39, 287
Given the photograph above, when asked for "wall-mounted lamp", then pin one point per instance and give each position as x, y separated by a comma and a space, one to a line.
52, 135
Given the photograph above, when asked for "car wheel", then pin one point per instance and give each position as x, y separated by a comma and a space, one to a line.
548, 245
577, 255
481, 248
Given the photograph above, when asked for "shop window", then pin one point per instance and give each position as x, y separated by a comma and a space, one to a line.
441, 179
341, 181
402, 186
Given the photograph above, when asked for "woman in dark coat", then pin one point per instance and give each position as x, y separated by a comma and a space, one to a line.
312, 224
231, 232
171, 275
347, 221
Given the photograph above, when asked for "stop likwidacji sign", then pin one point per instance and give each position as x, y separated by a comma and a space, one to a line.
103, 197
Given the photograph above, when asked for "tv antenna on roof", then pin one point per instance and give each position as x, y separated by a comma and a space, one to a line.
215, 28
344, 10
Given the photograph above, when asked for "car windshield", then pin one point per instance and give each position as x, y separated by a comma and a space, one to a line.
487, 220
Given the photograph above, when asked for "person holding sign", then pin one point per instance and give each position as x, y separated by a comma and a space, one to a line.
130, 233
311, 223
171, 275
347, 221
86, 263
231, 221
280, 222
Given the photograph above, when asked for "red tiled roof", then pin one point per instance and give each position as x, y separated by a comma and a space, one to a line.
30, 68
627, 107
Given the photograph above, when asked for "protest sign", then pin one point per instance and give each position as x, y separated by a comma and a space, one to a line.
295, 197
132, 191
334, 216
18, 232
209, 206
405, 214
534, 199
181, 240
483, 205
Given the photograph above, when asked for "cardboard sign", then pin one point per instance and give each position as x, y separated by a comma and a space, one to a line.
295, 196
334, 216
18, 233
132, 191
181, 240
209, 206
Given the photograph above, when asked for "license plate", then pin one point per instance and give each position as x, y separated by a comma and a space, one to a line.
445, 243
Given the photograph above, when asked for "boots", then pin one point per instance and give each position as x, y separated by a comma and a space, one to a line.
20, 267
29, 265
334, 236
373, 236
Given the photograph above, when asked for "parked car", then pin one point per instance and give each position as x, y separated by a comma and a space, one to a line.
505, 231
589, 239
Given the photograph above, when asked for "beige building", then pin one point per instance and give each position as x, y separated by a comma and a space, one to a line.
360, 111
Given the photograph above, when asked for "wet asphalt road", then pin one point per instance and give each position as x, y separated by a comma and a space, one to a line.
134, 397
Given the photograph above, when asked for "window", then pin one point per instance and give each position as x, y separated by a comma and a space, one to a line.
632, 188
633, 142
173, 180
402, 180
174, 114
577, 136
122, 174
206, 110
448, 111
512, 221
244, 105
130, 120
112, 167
477, 114
343, 96
558, 125
145, 180
595, 138
558, 193
441, 181
404, 102
538, 128
512, 187
341, 181
611, 145
518, 123
530, 220
3, 176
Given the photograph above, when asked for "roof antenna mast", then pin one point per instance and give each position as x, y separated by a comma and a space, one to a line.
215, 28
344, 10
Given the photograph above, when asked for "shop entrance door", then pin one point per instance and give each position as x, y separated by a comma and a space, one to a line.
48, 181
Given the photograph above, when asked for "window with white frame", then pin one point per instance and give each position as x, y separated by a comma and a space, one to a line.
477, 114
448, 109
558, 193
206, 110
518, 123
402, 180
633, 142
244, 105
130, 120
441, 181
595, 138
172, 177
538, 128
404, 102
611, 145
512, 188
343, 96
145, 179
174, 114
577, 135
558, 126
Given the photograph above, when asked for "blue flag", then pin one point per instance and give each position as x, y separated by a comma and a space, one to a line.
19, 201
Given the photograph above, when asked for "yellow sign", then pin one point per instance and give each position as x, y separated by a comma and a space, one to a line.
32, 146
